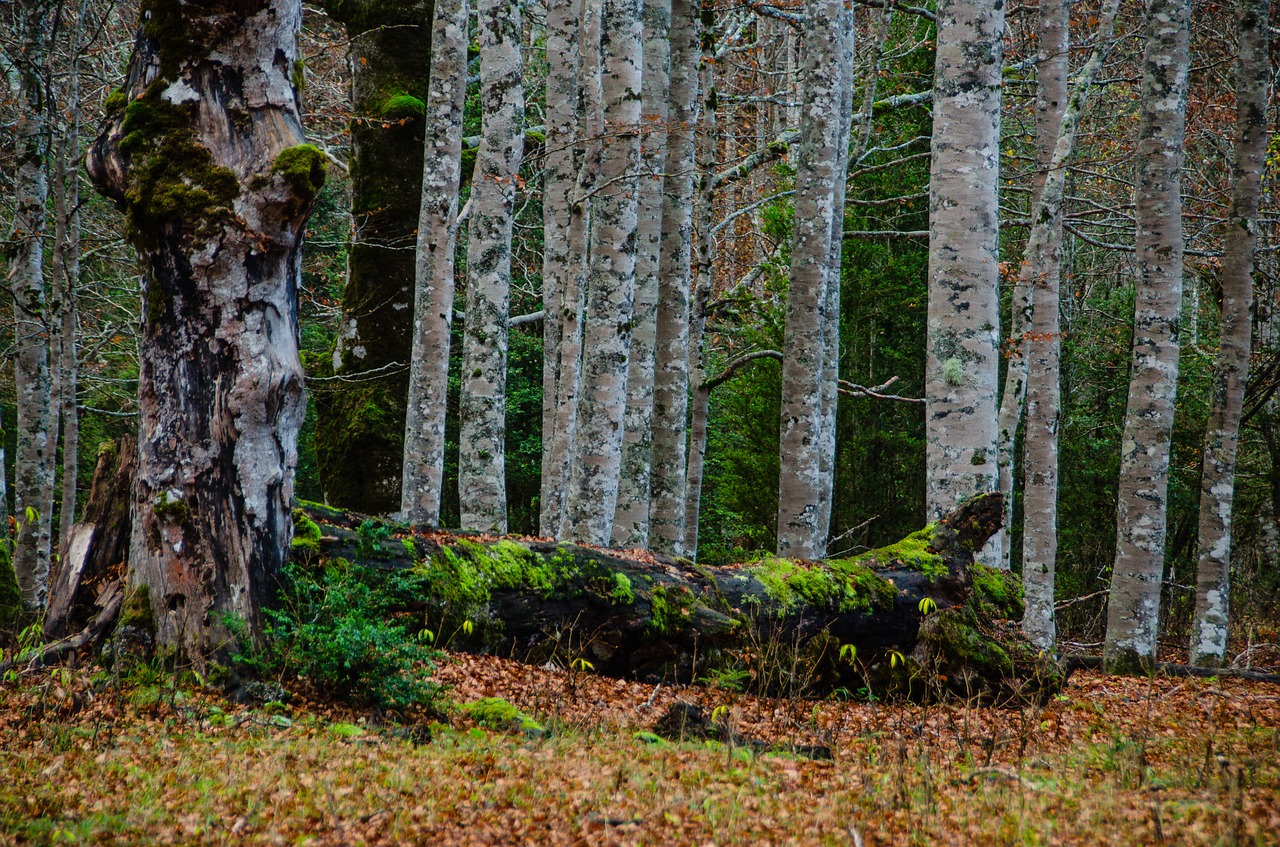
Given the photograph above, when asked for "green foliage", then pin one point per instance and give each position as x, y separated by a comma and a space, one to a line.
341, 628
306, 533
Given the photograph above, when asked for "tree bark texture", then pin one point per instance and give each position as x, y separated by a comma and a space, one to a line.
631, 518
658, 618
671, 353
559, 263
205, 158
1222, 436
1134, 609
817, 182
963, 315
422, 479
593, 491
1040, 275
36, 436
361, 421
482, 485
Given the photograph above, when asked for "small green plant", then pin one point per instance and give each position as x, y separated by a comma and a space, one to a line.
369, 537
927, 605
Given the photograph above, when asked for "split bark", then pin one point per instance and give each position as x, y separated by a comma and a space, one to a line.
1217, 482
482, 485
217, 208
424, 437
1134, 610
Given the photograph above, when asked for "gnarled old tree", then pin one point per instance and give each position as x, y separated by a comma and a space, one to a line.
361, 415
202, 149
1133, 612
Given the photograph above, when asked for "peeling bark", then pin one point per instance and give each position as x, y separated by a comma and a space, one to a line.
963, 315
1222, 435
482, 486
1134, 609
217, 209
424, 438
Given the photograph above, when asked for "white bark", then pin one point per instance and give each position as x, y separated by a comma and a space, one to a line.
220, 385
33, 461
559, 263
963, 316
801, 481
631, 518
671, 366
424, 438
593, 491
1217, 485
1134, 609
482, 455
1040, 277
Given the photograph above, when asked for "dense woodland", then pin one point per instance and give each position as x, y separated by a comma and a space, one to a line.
716, 281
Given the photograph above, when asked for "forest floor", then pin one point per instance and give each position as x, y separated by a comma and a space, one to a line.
1109, 761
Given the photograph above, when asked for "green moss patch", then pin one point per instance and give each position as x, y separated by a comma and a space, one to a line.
996, 593
845, 585
912, 552
400, 107
136, 611
306, 533
302, 167
496, 713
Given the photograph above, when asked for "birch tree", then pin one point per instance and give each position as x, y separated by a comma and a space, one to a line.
1217, 485
631, 520
1040, 276
1134, 609
593, 491
671, 354
481, 463
424, 437
361, 419
819, 178
217, 208
36, 437
963, 312
560, 263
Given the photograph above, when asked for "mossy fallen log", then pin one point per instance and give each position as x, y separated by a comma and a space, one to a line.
918, 617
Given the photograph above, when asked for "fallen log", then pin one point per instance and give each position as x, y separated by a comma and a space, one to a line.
917, 617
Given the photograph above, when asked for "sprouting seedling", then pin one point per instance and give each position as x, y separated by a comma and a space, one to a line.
848, 652
927, 605
428, 636
581, 664
896, 658
719, 712
468, 627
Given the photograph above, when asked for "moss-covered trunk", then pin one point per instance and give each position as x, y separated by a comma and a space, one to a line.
360, 420
915, 617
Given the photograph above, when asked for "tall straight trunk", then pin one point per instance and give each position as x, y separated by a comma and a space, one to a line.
589, 126
482, 480
963, 315
360, 421
424, 435
217, 208
671, 354
69, 370
1052, 66
593, 491
817, 173
1040, 275
559, 263
631, 518
1134, 610
1222, 436
831, 309
35, 437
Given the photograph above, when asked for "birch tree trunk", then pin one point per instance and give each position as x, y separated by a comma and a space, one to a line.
217, 208
424, 436
631, 518
482, 485
963, 316
817, 173
589, 125
1217, 483
1052, 66
671, 354
835, 279
593, 492
1134, 610
361, 423
67, 258
559, 262
1040, 276
36, 440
